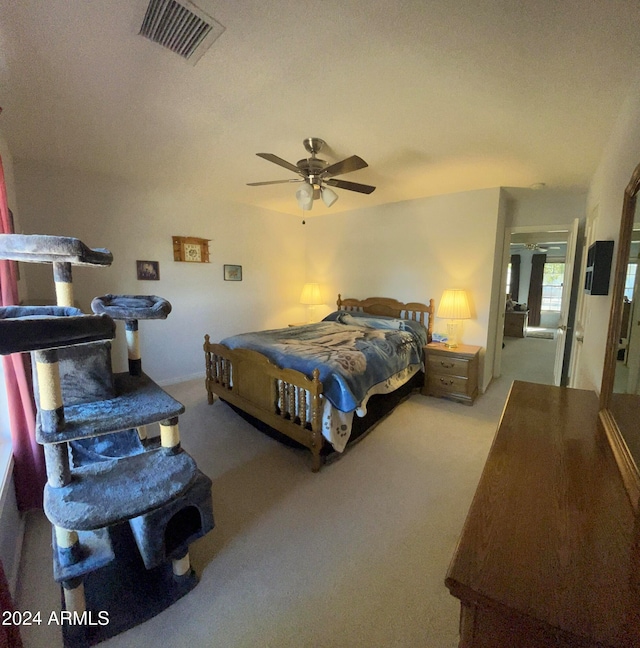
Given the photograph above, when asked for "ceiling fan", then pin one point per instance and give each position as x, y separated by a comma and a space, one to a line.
317, 175
536, 247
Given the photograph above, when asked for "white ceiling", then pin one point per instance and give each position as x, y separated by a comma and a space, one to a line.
437, 96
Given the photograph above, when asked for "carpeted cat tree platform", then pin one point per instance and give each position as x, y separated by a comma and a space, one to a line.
124, 507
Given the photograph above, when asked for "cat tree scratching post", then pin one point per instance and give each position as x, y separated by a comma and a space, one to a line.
92, 498
130, 309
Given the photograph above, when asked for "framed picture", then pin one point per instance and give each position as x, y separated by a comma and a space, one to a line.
148, 270
190, 249
232, 273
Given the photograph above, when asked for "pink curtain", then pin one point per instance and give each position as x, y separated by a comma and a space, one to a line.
29, 472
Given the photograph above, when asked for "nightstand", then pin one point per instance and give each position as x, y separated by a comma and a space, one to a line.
452, 373
515, 323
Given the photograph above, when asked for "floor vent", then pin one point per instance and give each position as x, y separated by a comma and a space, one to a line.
181, 27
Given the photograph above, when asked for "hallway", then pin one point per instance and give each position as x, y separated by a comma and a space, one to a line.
529, 359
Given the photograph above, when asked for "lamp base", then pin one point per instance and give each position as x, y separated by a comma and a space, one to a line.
453, 333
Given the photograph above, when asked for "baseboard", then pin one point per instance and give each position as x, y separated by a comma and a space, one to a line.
181, 379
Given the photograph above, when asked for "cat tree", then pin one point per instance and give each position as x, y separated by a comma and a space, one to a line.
124, 507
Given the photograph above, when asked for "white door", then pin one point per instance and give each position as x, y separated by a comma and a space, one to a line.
506, 256
561, 336
582, 313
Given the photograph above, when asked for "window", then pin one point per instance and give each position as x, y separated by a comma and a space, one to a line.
630, 280
552, 286
508, 288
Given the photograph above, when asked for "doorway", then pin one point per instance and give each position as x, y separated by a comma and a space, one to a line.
540, 294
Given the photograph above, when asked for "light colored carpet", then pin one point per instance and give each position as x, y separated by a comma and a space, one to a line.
529, 359
354, 556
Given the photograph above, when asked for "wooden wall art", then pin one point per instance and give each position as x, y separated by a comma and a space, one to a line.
191, 249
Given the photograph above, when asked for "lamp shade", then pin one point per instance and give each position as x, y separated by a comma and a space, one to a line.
311, 294
329, 196
304, 196
454, 305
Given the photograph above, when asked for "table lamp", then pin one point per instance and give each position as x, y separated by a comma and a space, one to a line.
311, 297
454, 306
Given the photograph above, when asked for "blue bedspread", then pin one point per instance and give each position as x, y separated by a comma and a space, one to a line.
352, 353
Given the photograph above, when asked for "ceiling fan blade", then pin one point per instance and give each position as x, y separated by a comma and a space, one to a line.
351, 186
270, 157
268, 182
347, 165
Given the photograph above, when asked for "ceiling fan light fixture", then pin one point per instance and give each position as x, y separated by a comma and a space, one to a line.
329, 196
317, 175
304, 196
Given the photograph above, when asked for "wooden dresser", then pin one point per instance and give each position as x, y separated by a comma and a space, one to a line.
452, 373
515, 323
548, 556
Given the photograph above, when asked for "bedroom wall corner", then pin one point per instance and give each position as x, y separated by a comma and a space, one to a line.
137, 222
497, 299
411, 250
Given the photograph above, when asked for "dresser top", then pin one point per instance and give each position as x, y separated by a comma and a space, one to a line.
549, 538
461, 349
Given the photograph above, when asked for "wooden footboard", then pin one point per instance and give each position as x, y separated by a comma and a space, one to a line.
284, 399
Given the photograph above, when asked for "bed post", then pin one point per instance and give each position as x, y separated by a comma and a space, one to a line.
316, 460
316, 421
432, 312
208, 378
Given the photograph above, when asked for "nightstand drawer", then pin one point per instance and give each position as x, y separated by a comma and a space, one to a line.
450, 366
452, 372
447, 384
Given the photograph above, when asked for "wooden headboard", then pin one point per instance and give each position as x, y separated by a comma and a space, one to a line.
392, 308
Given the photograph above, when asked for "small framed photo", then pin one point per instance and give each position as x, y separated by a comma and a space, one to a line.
148, 270
232, 273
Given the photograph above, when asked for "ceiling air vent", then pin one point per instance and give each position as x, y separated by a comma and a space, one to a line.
181, 27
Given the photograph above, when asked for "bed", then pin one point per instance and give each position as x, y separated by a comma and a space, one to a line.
307, 382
